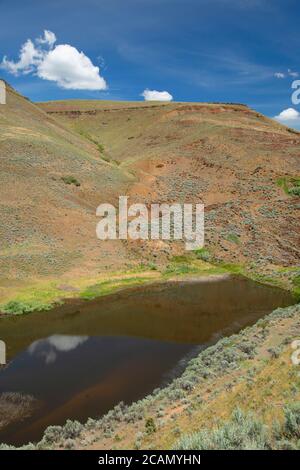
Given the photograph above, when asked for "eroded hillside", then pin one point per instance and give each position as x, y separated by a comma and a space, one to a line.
51, 181
60, 160
227, 156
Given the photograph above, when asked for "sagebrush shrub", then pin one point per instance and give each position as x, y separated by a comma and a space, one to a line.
242, 431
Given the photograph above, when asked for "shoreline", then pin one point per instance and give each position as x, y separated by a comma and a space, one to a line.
46, 295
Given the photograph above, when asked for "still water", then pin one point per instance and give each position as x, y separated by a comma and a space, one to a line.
79, 360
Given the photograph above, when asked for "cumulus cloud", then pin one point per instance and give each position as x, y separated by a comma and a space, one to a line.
71, 69
29, 58
62, 63
290, 117
289, 114
153, 95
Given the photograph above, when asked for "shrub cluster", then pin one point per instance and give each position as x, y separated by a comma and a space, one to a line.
246, 432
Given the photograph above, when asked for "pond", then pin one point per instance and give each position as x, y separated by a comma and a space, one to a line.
81, 359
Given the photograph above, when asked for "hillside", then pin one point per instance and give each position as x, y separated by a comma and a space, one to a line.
227, 156
47, 225
60, 160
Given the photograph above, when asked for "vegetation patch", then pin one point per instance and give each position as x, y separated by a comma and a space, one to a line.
203, 254
150, 426
94, 141
233, 238
296, 286
45, 295
227, 385
16, 307
48, 294
291, 186
70, 180
232, 268
107, 287
245, 431
179, 269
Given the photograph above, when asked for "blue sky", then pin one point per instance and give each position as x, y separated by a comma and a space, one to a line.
196, 50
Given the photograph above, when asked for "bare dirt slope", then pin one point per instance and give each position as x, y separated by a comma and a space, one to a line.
227, 156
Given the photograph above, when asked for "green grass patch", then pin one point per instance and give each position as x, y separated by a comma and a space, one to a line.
94, 141
296, 287
233, 238
290, 185
179, 269
107, 287
100, 147
203, 254
196, 262
16, 307
152, 266
70, 180
266, 279
106, 159
232, 268
45, 295
37, 297
182, 258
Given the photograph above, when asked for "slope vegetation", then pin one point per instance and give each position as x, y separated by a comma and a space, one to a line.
51, 181
60, 160
227, 156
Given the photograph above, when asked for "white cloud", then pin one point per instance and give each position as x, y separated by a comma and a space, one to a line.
293, 74
153, 95
279, 75
62, 63
290, 117
71, 69
289, 73
48, 38
29, 57
289, 114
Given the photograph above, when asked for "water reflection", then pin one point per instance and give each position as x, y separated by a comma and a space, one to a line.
79, 360
48, 349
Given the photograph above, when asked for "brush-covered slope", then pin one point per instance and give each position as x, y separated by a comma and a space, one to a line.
60, 160
51, 181
241, 164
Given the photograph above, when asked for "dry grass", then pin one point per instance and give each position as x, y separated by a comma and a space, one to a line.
227, 156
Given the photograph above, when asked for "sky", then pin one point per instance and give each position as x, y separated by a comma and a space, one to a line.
243, 51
